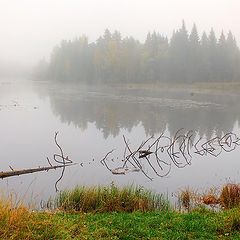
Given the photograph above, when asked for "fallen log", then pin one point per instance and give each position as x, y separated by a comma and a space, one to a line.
32, 170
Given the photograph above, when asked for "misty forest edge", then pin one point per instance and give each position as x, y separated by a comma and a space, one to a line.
184, 58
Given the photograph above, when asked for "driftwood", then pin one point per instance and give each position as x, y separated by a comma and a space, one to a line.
31, 170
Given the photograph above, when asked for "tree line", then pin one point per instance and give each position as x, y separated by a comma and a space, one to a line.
184, 57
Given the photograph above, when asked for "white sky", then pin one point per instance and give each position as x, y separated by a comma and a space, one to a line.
29, 29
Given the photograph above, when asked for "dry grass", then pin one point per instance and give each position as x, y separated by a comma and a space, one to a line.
185, 198
227, 198
211, 197
12, 219
230, 196
188, 199
19, 222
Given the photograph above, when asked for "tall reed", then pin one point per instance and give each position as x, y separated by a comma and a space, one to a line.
110, 199
230, 196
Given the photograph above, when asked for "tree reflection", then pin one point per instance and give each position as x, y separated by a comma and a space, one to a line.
205, 114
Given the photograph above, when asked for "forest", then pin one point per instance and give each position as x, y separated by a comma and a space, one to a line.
185, 57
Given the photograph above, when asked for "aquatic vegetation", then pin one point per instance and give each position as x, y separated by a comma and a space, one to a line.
188, 199
185, 198
230, 195
110, 199
211, 197
227, 198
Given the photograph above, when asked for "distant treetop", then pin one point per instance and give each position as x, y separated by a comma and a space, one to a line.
113, 59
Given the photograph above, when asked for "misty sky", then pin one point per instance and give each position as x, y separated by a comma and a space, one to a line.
29, 29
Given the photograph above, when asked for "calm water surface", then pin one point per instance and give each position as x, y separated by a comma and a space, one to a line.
92, 121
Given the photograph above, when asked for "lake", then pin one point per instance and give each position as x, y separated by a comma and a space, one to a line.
91, 121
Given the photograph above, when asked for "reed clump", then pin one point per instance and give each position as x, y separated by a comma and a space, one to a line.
188, 199
230, 196
227, 198
211, 197
110, 199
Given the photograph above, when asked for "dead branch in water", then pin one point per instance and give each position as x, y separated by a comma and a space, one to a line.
60, 159
158, 154
65, 160
31, 170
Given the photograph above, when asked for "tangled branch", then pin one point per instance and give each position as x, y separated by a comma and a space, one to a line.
160, 153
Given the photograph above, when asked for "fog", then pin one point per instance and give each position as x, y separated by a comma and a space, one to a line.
96, 71
30, 28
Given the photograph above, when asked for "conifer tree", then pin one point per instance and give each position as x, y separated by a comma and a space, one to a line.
115, 59
194, 60
193, 37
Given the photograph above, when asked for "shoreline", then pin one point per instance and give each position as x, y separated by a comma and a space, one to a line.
198, 223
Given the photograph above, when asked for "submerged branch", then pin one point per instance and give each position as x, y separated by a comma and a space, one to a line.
164, 151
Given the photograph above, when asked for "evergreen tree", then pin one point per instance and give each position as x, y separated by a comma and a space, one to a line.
212, 39
222, 40
222, 59
179, 54
233, 57
213, 56
194, 60
193, 37
204, 40
231, 41
204, 67
115, 59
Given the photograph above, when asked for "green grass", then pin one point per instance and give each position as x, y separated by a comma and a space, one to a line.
138, 225
160, 225
109, 199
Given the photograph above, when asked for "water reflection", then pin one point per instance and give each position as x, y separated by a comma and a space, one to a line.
91, 122
112, 111
200, 116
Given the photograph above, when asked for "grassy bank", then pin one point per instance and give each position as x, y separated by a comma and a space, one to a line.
22, 224
125, 213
